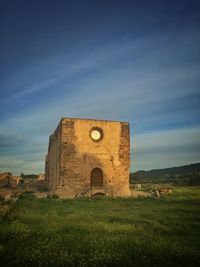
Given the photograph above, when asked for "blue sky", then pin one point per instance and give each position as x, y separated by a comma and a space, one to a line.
137, 61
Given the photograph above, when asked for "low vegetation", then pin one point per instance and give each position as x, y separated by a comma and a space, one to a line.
103, 232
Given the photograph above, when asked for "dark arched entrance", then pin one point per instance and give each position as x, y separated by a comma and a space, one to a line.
96, 178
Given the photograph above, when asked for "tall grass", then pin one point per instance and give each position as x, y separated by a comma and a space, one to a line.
103, 231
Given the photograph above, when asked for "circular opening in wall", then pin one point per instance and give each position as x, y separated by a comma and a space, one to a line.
96, 134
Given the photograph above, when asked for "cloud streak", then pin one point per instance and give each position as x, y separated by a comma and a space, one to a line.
166, 149
145, 72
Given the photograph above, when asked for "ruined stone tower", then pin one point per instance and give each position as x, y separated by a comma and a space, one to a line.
88, 157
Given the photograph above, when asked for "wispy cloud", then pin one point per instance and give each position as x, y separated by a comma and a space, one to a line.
165, 148
150, 79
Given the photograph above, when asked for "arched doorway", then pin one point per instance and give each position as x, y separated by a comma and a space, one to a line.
96, 178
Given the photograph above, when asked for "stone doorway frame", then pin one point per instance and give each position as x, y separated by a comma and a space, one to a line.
97, 182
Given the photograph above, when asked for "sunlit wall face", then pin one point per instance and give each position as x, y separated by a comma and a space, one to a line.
127, 61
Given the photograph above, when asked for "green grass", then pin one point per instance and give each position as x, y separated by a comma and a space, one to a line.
103, 232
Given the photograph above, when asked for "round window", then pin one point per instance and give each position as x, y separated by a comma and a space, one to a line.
96, 134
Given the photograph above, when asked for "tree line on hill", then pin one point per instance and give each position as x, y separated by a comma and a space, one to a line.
183, 175
28, 176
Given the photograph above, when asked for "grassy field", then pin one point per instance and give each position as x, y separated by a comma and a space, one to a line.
103, 232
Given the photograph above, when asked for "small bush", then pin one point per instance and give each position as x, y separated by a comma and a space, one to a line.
54, 196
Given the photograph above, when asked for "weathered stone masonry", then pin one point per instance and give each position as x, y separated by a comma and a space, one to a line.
88, 157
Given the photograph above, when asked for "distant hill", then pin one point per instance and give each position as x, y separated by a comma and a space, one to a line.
182, 174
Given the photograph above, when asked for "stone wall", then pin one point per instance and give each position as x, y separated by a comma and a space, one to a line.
73, 154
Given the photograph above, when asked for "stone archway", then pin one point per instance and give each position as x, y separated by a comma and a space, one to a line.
96, 178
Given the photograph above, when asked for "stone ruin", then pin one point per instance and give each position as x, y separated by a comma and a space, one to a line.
88, 157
